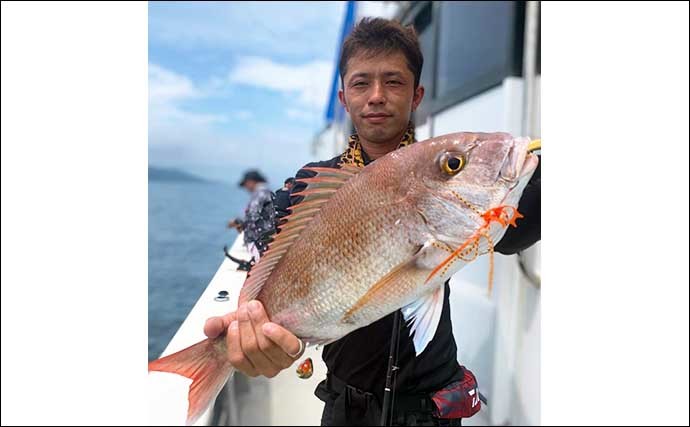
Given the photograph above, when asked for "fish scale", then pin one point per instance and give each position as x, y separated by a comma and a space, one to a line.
356, 262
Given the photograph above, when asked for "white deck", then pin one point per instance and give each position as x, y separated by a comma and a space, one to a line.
283, 400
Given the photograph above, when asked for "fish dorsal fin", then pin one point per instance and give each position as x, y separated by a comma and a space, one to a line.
319, 190
326, 182
424, 314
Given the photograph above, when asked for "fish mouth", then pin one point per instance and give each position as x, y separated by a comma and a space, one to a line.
519, 167
529, 165
519, 161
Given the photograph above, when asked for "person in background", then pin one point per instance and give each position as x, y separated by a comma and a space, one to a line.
259, 219
282, 199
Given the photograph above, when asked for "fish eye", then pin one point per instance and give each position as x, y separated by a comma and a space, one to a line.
452, 164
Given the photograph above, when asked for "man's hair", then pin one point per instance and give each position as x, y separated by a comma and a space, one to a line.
290, 180
375, 36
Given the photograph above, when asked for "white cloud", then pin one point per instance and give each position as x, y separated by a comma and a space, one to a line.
168, 120
294, 113
310, 82
182, 138
305, 29
176, 116
166, 86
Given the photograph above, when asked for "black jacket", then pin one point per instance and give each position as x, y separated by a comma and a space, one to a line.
282, 203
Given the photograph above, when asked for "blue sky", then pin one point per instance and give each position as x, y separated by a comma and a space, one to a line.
234, 85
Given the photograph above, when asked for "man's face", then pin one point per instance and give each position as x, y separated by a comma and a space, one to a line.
288, 186
379, 95
250, 185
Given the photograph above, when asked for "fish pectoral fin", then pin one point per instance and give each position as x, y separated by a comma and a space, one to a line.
423, 259
380, 291
424, 314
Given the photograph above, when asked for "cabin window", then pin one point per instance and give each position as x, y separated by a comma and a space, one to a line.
476, 45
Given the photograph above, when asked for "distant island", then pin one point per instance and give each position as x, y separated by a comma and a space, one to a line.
162, 174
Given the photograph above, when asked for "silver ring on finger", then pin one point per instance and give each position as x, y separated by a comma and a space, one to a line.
299, 352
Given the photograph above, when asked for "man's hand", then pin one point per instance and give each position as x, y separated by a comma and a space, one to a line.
255, 345
235, 225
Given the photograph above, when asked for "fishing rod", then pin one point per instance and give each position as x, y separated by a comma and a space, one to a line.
391, 374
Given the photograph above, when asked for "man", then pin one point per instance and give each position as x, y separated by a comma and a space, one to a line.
380, 68
259, 216
282, 199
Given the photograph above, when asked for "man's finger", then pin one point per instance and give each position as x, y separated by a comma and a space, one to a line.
215, 326
285, 339
250, 345
235, 354
272, 350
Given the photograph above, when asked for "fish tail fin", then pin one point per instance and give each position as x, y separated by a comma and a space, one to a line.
206, 364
